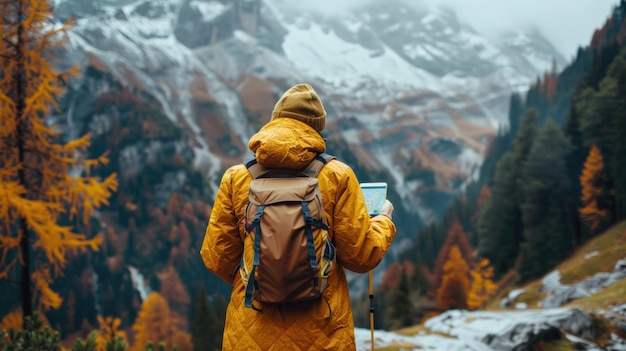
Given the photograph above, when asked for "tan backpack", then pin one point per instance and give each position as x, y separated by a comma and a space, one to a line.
287, 252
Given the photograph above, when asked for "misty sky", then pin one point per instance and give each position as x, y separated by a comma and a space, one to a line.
566, 23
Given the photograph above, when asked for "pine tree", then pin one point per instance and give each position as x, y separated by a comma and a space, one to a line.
617, 71
203, 324
516, 111
574, 164
598, 111
496, 237
38, 186
500, 226
547, 234
596, 202
400, 306
34, 336
455, 285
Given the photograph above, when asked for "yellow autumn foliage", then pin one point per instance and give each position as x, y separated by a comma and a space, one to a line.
483, 287
42, 179
109, 329
591, 181
455, 283
157, 323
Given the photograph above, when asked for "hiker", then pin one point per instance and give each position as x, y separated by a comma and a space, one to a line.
292, 139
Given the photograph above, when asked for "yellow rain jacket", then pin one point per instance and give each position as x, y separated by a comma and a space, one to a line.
360, 242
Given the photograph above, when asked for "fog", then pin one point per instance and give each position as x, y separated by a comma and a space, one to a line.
567, 24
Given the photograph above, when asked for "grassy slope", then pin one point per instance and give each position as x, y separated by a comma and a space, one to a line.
610, 247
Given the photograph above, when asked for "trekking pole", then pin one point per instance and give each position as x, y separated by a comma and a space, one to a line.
372, 307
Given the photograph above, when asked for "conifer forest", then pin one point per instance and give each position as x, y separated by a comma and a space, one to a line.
94, 259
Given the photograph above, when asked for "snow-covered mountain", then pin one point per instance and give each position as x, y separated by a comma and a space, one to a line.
415, 93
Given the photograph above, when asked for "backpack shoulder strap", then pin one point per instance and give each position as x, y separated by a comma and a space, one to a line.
315, 166
312, 170
253, 167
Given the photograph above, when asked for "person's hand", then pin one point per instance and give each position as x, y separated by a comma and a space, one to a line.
387, 209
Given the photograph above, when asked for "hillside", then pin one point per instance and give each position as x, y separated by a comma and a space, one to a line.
599, 318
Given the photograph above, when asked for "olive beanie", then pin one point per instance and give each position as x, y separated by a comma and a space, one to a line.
302, 103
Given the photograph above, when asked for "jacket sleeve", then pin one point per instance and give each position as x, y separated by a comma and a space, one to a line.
361, 241
222, 246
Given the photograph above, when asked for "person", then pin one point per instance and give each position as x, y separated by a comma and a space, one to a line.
291, 139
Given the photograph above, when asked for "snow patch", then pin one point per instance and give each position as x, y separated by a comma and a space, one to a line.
560, 294
139, 282
209, 10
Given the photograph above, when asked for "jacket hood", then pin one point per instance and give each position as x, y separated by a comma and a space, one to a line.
287, 143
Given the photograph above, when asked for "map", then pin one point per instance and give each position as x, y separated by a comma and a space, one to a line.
374, 195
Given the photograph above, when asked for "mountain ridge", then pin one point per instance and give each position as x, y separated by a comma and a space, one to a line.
143, 44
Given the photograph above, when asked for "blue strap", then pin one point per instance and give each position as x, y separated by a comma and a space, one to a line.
329, 253
308, 220
248, 298
256, 225
257, 246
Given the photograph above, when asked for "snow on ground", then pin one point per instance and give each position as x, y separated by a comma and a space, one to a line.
417, 342
559, 294
348, 66
484, 330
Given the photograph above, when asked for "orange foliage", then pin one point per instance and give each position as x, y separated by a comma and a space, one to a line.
454, 237
485, 193
392, 276
549, 83
39, 179
173, 290
590, 180
483, 286
455, 284
157, 323
109, 330
12, 320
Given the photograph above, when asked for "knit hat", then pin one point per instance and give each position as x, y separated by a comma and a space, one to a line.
301, 102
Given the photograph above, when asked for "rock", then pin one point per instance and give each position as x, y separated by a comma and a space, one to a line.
551, 281
559, 294
513, 330
511, 297
521, 306
544, 333
526, 332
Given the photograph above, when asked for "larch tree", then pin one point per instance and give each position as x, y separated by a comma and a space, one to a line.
43, 180
109, 331
596, 202
454, 237
156, 323
455, 284
482, 287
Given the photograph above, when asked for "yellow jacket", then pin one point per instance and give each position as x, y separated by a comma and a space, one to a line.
361, 243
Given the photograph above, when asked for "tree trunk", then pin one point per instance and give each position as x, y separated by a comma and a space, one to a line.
25, 283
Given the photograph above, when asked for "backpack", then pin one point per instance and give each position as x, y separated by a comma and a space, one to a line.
287, 253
